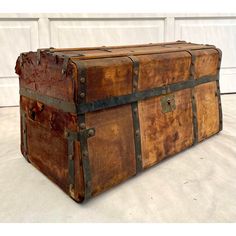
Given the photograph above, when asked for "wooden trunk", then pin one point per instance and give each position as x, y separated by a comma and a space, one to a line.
93, 117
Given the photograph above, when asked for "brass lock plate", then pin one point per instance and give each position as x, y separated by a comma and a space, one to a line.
168, 103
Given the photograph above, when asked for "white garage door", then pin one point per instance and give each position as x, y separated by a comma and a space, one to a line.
27, 32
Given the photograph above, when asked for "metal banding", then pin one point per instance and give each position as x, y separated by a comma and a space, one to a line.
114, 101
73, 136
65, 64
71, 165
24, 134
218, 91
194, 107
54, 102
141, 95
135, 115
83, 137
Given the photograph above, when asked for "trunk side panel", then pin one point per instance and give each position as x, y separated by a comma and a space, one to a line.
207, 110
46, 140
165, 134
111, 150
46, 78
206, 63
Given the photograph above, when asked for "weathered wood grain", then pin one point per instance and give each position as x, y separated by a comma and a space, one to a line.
46, 140
111, 150
109, 73
206, 63
207, 110
108, 78
164, 134
161, 69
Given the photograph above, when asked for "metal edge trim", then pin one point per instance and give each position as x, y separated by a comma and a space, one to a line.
50, 101
218, 90
193, 99
135, 116
24, 133
84, 153
71, 166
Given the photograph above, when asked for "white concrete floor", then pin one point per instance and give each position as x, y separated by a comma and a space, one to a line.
198, 185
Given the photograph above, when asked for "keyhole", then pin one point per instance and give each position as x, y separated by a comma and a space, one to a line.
168, 101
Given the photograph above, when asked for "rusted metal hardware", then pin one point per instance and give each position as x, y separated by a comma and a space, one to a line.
81, 108
65, 64
218, 89
71, 165
194, 107
39, 53
121, 154
24, 134
82, 74
168, 103
141, 95
71, 138
135, 115
50, 101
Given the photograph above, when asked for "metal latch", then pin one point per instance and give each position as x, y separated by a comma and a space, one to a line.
168, 103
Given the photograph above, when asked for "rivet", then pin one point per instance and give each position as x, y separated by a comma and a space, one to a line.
163, 91
63, 71
24, 131
85, 153
82, 79
137, 132
136, 71
82, 95
91, 132
135, 109
82, 126
139, 157
70, 156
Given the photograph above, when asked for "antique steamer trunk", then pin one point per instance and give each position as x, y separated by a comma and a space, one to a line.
93, 117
